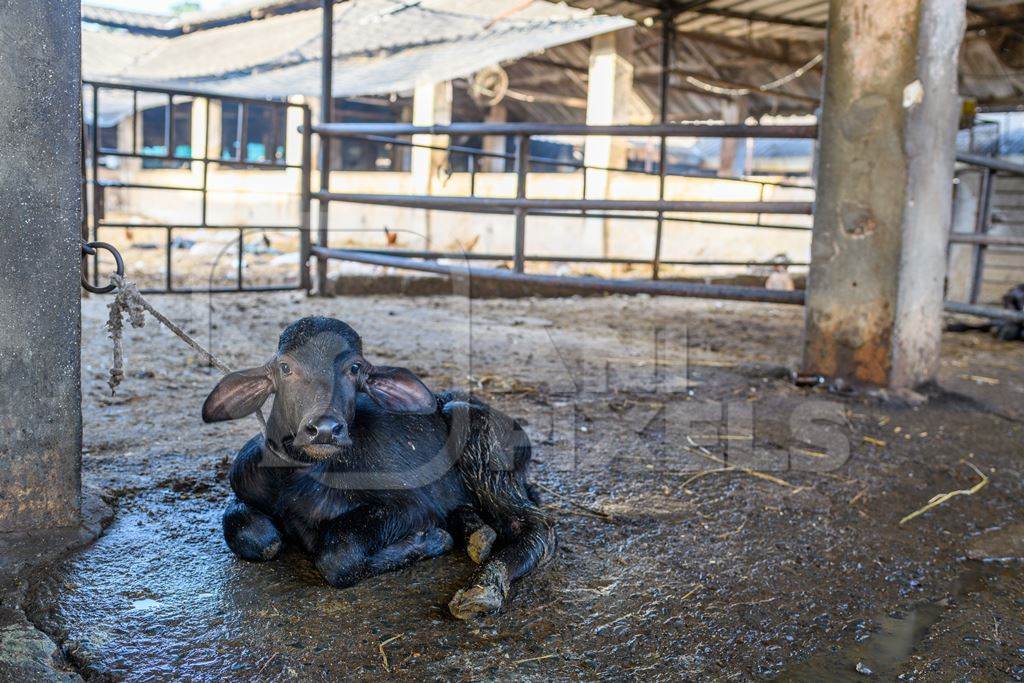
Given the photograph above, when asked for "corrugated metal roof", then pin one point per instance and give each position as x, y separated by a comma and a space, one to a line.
381, 46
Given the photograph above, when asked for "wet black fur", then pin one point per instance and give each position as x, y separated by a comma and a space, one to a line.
354, 533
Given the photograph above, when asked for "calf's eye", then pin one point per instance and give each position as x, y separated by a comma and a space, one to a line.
285, 369
355, 368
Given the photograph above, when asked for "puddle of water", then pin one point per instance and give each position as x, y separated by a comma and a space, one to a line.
880, 651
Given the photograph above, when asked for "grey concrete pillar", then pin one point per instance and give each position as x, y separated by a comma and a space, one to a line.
885, 177
40, 248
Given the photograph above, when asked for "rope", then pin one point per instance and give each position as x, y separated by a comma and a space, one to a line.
128, 300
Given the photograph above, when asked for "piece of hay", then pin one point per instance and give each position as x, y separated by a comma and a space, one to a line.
943, 497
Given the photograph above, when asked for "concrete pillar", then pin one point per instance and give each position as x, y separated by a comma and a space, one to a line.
494, 144
431, 106
609, 91
200, 124
729, 162
40, 250
885, 176
215, 124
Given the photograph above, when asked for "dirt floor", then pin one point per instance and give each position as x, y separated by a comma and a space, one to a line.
671, 566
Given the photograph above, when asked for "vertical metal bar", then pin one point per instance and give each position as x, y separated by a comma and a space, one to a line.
97, 190
304, 242
326, 107
981, 226
241, 256
206, 164
472, 175
168, 281
83, 170
667, 37
169, 128
135, 121
243, 131
522, 167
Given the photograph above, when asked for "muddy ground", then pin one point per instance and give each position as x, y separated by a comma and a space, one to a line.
670, 567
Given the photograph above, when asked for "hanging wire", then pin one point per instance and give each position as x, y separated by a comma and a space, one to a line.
767, 87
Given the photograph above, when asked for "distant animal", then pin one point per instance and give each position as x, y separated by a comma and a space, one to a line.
368, 470
1007, 330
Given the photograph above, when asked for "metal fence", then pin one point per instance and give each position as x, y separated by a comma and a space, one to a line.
981, 241
522, 206
94, 221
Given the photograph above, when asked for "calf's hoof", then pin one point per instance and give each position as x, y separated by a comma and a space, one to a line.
433, 542
479, 544
252, 537
486, 595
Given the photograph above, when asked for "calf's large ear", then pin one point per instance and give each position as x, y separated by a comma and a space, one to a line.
238, 394
398, 390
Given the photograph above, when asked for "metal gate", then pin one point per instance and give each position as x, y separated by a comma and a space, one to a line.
107, 152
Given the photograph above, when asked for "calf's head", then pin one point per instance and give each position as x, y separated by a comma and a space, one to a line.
314, 376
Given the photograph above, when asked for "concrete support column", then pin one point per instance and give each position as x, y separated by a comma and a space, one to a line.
729, 163
494, 144
40, 250
431, 106
215, 124
609, 91
874, 306
200, 126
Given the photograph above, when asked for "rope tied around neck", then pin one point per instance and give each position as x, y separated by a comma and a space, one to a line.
129, 301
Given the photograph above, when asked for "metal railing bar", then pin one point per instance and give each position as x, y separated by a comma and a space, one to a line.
986, 239
990, 163
571, 163
180, 92
513, 203
196, 226
615, 260
116, 184
691, 289
555, 129
107, 152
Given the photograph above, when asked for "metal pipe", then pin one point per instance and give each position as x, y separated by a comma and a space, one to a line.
990, 163
510, 204
169, 128
97, 186
326, 111
470, 256
985, 239
667, 37
692, 289
522, 167
981, 228
569, 163
992, 312
180, 92
305, 202
555, 129
270, 165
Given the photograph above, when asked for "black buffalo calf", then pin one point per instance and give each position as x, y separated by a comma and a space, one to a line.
368, 470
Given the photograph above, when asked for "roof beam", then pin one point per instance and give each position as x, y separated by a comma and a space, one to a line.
759, 17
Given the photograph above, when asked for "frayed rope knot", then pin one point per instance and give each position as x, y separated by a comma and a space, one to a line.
127, 300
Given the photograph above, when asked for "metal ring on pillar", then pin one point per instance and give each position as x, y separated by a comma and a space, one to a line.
90, 249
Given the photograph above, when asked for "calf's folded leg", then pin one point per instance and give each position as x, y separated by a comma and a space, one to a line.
370, 541
250, 534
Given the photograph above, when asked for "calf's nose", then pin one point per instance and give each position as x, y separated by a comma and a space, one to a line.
326, 430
